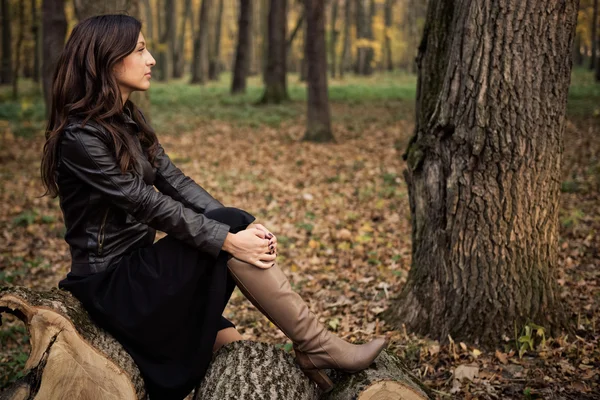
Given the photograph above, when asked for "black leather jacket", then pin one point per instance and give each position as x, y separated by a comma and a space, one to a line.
108, 213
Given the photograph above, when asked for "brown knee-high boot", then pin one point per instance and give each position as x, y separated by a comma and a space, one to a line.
316, 348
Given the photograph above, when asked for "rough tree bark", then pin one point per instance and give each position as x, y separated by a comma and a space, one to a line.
200, 65
242, 56
54, 30
483, 169
388, 16
87, 8
214, 67
71, 357
20, 37
6, 62
346, 56
318, 118
275, 76
594, 29
334, 33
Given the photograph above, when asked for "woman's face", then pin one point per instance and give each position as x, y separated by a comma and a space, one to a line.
133, 72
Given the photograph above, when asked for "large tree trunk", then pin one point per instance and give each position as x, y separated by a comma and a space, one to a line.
483, 168
73, 358
179, 63
318, 118
54, 30
276, 74
388, 16
214, 67
6, 62
37, 38
593, 60
242, 56
20, 37
333, 38
346, 56
201, 43
87, 8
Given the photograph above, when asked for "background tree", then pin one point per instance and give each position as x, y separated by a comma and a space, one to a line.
318, 118
37, 38
20, 37
201, 43
484, 181
364, 34
6, 61
242, 56
334, 33
214, 67
54, 30
166, 39
179, 54
594, 37
346, 54
276, 73
388, 16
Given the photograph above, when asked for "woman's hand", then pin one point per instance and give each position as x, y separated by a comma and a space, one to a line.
252, 246
268, 235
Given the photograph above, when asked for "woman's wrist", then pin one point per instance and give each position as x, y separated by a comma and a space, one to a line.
228, 245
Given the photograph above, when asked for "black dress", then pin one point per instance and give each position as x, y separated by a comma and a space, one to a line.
163, 303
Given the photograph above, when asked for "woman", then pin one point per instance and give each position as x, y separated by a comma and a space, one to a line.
163, 301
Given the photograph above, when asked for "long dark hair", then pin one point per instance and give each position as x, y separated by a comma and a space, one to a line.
84, 86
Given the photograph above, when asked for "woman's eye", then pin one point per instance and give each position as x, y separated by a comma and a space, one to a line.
142, 49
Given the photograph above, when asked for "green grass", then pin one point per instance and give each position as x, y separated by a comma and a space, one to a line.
177, 106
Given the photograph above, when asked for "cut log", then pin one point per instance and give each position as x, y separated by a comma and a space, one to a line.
71, 357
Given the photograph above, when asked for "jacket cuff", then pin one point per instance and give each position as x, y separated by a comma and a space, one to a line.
216, 244
213, 205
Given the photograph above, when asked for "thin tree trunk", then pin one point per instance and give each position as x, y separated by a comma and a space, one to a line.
172, 21
370, 50
577, 55
318, 118
179, 66
36, 35
388, 9
20, 37
276, 74
294, 33
346, 56
149, 25
242, 58
361, 35
333, 38
304, 62
6, 67
54, 30
166, 33
215, 61
482, 181
593, 59
200, 72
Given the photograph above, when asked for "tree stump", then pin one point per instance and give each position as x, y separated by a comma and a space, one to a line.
71, 357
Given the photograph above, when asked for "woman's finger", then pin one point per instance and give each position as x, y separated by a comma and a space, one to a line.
267, 257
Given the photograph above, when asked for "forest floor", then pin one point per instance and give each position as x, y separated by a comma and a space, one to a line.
341, 215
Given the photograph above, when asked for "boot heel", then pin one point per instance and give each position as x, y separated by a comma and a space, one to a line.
320, 378
312, 372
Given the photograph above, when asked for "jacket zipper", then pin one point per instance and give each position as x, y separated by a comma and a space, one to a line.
101, 233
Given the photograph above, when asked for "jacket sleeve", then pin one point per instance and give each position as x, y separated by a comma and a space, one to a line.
171, 181
85, 154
